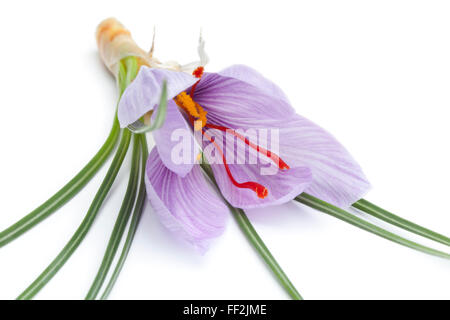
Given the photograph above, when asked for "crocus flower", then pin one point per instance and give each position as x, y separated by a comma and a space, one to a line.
309, 158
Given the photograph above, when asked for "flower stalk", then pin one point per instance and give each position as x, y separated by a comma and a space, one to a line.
127, 72
66, 193
373, 210
336, 212
86, 224
121, 222
257, 243
140, 201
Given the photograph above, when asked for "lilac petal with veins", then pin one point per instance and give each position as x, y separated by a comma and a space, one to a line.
187, 206
144, 93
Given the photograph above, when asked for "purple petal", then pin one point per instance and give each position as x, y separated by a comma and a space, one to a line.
282, 185
253, 77
337, 177
145, 91
232, 103
238, 104
186, 206
175, 132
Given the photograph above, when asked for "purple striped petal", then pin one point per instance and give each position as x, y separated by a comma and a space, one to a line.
282, 185
238, 104
253, 77
230, 102
337, 177
144, 92
175, 133
187, 206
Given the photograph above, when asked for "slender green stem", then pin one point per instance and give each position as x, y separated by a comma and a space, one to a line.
128, 69
256, 241
391, 218
134, 222
253, 237
336, 212
66, 193
86, 224
132, 68
121, 223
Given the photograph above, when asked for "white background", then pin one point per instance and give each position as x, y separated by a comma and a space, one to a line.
374, 73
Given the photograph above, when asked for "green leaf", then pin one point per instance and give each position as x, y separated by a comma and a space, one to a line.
343, 215
257, 243
65, 193
86, 224
132, 69
122, 78
391, 218
121, 223
134, 222
139, 127
128, 68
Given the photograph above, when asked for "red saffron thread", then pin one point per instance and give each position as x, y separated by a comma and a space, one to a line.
198, 74
259, 189
274, 157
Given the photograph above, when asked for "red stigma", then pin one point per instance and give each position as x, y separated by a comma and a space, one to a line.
198, 72
259, 189
275, 158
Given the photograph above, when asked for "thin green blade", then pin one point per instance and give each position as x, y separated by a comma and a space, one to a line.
336, 212
391, 218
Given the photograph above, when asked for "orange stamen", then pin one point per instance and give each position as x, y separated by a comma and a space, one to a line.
192, 108
259, 189
184, 101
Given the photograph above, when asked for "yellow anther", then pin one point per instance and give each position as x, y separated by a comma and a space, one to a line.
202, 115
193, 109
185, 102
